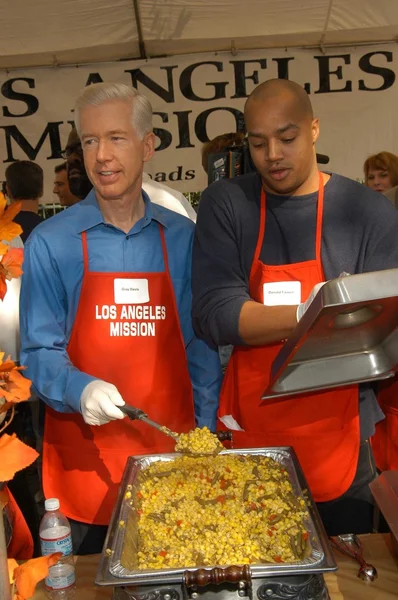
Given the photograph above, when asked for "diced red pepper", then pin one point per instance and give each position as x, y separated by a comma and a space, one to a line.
273, 528
253, 505
223, 484
272, 517
221, 499
163, 553
139, 511
155, 493
201, 476
139, 495
278, 559
208, 479
306, 535
260, 487
270, 533
228, 470
179, 523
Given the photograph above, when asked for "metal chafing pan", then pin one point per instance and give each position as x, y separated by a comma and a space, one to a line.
111, 572
349, 334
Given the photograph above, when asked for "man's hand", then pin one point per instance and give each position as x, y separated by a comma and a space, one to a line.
99, 402
302, 308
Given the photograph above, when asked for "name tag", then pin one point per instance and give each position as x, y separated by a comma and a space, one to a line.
282, 293
131, 291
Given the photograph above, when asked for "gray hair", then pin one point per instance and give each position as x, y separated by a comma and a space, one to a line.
98, 93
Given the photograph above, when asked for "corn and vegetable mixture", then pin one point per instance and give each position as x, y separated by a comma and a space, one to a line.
229, 509
199, 441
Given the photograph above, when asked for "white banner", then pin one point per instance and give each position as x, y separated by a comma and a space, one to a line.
196, 97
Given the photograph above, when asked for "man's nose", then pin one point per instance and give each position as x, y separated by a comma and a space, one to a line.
104, 152
274, 151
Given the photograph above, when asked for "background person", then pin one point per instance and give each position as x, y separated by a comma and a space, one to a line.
381, 171
61, 186
24, 182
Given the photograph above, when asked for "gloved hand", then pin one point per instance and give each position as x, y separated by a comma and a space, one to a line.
302, 308
99, 402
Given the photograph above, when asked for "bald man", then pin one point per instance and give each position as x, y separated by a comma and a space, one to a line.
264, 244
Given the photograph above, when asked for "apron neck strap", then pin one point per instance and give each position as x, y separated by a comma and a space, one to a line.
164, 248
85, 251
319, 215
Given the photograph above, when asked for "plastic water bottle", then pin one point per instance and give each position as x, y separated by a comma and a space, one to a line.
55, 536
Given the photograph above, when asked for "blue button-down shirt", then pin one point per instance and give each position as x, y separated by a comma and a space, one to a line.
51, 284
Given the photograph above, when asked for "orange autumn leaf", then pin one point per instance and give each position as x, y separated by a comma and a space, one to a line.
8, 364
8, 229
10, 268
11, 263
28, 575
12, 565
16, 389
13, 387
14, 456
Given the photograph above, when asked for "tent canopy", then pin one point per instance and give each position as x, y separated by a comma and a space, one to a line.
67, 32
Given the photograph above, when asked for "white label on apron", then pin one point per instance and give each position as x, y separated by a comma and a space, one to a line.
282, 293
131, 291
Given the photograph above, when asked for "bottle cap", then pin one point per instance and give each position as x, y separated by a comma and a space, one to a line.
51, 504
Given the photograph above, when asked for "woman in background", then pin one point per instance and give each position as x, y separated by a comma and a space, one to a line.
381, 171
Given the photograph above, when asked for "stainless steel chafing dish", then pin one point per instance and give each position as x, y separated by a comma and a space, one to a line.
348, 335
301, 579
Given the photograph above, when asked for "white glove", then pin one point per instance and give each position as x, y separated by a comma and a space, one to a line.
99, 402
302, 308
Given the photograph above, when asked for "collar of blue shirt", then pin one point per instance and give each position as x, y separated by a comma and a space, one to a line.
92, 216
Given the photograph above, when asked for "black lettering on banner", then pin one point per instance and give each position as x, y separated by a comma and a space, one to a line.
387, 75
201, 121
183, 129
160, 177
51, 131
325, 72
32, 103
164, 136
94, 78
190, 174
283, 66
241, 77
166, 94
186, 82
176, 175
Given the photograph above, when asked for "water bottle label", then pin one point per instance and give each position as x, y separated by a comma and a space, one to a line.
59, 544
60, 583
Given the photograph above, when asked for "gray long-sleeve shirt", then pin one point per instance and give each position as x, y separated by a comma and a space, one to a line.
359, 234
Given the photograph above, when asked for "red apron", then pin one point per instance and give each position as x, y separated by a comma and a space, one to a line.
323, 427
385, 440
140, 349
21, 544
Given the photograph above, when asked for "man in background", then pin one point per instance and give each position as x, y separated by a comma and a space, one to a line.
61, 186
24, 183
159, 193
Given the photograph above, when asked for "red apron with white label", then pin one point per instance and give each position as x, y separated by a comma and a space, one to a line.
126, 332
385, 440
322, 427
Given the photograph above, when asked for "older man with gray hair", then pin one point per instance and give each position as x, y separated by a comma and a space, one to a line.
105, 319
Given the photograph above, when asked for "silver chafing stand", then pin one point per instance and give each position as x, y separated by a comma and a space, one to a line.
302, 580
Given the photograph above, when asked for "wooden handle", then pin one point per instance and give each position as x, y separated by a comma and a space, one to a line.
224, 436
217, 576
